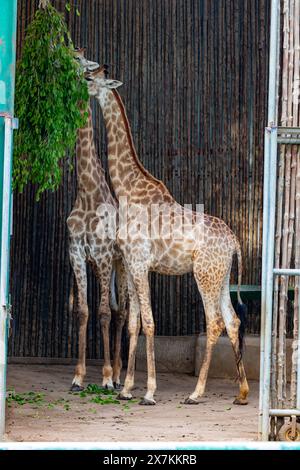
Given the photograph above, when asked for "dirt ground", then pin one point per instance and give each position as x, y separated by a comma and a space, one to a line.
63, 416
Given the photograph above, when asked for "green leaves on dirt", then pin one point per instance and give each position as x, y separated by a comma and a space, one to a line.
96, 395
102, 396
34, 398
94, 389
109, 400
26, 397
51, 102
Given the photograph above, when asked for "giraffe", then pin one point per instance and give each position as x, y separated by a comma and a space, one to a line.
87, 246
205, 247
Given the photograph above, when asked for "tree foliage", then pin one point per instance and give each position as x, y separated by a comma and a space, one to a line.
51, 102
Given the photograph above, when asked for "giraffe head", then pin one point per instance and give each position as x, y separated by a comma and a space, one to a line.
98, 83
86, 64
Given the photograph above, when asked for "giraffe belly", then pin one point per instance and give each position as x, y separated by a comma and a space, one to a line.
176, 260
173, 270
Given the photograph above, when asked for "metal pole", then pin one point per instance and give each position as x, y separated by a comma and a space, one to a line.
8, 19
269, 288
298, 364
270, 165
288, 412
263, 276
286, 272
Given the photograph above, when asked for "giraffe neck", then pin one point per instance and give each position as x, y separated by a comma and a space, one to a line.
126, 170
86, 161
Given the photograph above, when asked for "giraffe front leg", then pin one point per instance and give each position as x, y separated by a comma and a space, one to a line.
143, 292
79, 268
105, 269
133, 330
120, 317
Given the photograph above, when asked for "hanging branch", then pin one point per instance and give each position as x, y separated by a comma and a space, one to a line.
51, 100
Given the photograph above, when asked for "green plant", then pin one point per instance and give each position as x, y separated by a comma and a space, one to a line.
23, 398
102, 396
35, 398
51, 102
94, 389
108, 400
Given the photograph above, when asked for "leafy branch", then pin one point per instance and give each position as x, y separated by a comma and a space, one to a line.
51, 102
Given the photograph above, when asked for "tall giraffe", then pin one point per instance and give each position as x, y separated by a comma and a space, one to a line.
205, 246
86, 222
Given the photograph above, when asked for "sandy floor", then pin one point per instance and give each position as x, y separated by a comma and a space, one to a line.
214, 419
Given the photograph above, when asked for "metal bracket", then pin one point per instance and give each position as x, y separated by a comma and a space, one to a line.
14, 121
5, 114
271, 127
8, 310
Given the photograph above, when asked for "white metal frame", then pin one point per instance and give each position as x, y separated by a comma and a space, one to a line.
9, 124
273, 136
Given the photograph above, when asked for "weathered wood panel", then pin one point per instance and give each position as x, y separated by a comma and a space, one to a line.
195, 74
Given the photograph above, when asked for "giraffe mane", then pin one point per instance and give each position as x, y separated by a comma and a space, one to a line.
130, 139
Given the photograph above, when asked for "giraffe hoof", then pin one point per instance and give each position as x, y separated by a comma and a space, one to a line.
124, 397
109, 387
191, 401
117, 386
76, 388
147, 401
240, 401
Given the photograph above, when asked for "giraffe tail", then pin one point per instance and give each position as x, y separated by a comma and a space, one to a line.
71, 298
113, 297
241, 308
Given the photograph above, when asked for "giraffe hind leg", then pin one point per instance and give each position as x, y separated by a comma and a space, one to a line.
104, 268
210, 288
233, 325
214, 328
79, 268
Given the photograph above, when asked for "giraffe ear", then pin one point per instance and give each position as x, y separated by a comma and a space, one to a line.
109, 83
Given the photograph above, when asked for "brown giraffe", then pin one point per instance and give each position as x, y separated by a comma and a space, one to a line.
205, 247
85, 221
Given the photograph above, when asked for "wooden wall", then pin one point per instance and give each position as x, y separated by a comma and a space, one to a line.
195, 74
